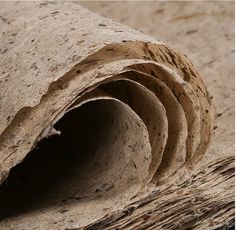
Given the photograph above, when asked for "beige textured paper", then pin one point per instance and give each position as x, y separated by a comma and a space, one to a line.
94, 115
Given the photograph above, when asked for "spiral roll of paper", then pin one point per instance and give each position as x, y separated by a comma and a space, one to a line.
92, 109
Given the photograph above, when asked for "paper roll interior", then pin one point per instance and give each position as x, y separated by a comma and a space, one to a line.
103, 146
112, 117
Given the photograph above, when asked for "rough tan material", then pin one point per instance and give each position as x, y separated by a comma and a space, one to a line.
94, 116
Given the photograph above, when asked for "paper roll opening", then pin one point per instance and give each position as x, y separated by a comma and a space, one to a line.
92, 156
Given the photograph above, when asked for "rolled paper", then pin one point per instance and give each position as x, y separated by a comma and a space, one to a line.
94, 115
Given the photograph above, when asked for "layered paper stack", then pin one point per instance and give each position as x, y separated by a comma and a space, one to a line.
95, 119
